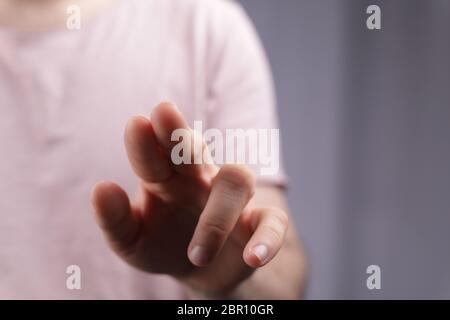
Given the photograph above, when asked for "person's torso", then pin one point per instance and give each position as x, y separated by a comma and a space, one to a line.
65, 97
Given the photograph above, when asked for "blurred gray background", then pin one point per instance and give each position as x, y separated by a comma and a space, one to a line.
365, 118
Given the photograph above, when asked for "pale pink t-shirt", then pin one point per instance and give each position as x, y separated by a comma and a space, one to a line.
65, 97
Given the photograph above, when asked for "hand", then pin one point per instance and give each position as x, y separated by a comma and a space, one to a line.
191, 221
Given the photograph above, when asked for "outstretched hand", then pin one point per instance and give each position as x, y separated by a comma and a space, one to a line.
191, 221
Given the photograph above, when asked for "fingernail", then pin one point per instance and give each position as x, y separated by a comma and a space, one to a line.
261, 252
200, 256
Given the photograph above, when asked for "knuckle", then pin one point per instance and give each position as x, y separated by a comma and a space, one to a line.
123, 244
124, 241
280, 215
112, 223
275, 223
238, 177
274, 232
215, 227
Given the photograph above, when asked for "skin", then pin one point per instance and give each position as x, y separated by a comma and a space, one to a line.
210, 227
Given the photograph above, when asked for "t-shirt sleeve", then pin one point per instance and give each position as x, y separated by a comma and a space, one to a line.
240, 90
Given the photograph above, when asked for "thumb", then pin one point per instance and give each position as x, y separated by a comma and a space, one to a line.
115, 217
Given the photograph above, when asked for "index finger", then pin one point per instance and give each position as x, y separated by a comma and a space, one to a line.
182, 144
